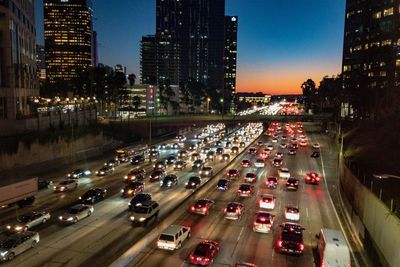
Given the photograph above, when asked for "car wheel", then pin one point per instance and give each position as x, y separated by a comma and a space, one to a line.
34, 243
75, 220
89, 213
44, 220
25, 228
11, 256
188, 236
179, 245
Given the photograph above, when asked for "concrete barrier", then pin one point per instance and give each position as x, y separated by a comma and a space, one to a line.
377, 228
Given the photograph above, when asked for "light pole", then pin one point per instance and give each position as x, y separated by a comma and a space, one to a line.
208, 105
222, 107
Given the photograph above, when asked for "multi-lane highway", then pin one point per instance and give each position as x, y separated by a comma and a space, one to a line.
238, 242
107, 233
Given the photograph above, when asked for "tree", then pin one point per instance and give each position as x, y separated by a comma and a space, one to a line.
132, 79
309, 92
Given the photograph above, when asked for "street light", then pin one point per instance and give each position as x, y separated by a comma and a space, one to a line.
208, 105
222, 107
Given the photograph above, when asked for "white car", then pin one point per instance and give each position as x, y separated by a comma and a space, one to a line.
292, 213
267, 201
263, 222
270, 147
316, 146
234, 211
284, 173
66, 185
259, 163
16, 244
30, 220
76, 213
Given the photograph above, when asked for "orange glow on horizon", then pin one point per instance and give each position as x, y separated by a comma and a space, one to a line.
279, 81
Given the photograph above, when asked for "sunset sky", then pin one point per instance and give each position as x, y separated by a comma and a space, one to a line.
281, 43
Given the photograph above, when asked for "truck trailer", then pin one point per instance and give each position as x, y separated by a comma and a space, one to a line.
22, 193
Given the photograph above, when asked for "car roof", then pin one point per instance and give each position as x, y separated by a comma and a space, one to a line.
173, 229
267, 196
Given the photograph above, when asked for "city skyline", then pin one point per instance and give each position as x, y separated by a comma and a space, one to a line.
275, 58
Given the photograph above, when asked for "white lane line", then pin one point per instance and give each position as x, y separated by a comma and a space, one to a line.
240, 234
307, 212
334, 208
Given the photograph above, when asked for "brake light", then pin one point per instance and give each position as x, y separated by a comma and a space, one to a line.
192, 208
204, 209
301, 246
225, 210
262, 219
280, 243
207, 259
308, 178
317, 178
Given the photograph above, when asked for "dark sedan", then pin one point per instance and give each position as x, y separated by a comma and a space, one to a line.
93, 195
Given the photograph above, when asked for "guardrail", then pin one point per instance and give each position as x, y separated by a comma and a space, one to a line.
130, 256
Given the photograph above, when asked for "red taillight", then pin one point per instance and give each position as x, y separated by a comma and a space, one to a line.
192, 208
296, 183
280, 243
207, 259
308, 178
301, 246
317, 178
191, 257
225, 210
204, 209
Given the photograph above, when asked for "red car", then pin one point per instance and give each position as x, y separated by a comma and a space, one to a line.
246, 163
232, 173
312, 178
204, 253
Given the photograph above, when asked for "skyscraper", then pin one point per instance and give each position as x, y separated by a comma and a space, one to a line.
196, 30
41, 63
18, 75
371, 54
68, 33
230, 55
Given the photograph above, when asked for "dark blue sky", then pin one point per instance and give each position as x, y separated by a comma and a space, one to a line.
280, 42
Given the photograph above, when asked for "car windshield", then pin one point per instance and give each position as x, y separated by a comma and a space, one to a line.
77, 171
156, 173
141, 209
263, 219
221, 182
232, 207
272, 180
74, 210
89, 193
232, 171
8, 244
250, 175
244, 187
64, 182
194, 179
292, 210
25, 218
292, 237
201, 250
201, 202
165, 237
140, 197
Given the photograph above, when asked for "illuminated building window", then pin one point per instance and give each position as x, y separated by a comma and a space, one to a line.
388, 12
377, 15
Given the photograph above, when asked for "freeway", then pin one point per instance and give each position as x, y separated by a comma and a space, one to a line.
238, 242
99, 239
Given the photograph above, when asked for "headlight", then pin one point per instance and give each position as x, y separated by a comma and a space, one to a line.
97, 172
122, 190
126, 177
79, 197
132, 218
18, 228
62, 187
75, 175
9, 227
3, 253
69, 175
54, 187
142, 219
130, 191
87, 172
186, 183
70, 219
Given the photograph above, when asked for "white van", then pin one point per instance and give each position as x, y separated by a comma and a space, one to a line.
332, 249
173, 237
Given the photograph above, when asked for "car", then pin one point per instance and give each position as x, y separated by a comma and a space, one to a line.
292, 151
250, 177
44, 183
292, 183
174, 146
259, 163
263, 222
272, 182
303, 143
292, 213
246, 163
169, 181
274, 140
193, 147
29, 220
204, 253
76, 213
270, 147
195, 156
279, 155
160, 165
139, 199
252, 151
183, 154
245, 190
157, 175
294, 146
219, 151
210, 156
17, 243
93, 195
112, 163
260, 143
180, 165
277, 162
142, 214
225, 157
136, 160
283, 145
132, 188
312, 178
197, 164
264, 154
223, 184
232, 173
228, 145
283, 137
284, 173
162, 147
173, 237
66, 185
135, 175
267, 201
154, 154
201, 206
316, 146
242, 144
79, 173
233, 211
193, 183
206, 171
290, 239
106, 169
181, 138
234, 150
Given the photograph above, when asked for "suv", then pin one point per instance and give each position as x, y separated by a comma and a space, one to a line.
145, 212
173, 237
206, 172
291, 239
17, 243
169, 181
139, 199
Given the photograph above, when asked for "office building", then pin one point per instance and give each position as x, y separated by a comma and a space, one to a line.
41, 63
371, 54
230, 56
195, 32
18, 71
68, 33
